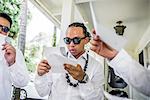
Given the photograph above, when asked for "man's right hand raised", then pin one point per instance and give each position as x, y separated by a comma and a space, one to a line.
101, 48
43, 67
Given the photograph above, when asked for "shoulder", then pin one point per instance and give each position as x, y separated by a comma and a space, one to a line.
96, 67
18, 51
93, 59
19, 54
95, 62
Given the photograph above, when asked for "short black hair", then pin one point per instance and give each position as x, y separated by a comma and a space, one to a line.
6, 16
78, 24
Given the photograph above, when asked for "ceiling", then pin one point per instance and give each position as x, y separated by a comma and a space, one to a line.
135, 15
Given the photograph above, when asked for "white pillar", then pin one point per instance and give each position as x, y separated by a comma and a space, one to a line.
22, 29
21, 39
66, 18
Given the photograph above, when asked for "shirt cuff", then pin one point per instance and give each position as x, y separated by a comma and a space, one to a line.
121, 56
87, 85
40, 79
85, 88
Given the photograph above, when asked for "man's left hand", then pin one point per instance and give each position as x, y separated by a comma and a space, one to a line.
75, 71
10, 53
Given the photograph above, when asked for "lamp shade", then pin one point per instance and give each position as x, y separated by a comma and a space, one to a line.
119, 28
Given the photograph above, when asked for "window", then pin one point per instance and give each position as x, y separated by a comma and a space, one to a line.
147, 54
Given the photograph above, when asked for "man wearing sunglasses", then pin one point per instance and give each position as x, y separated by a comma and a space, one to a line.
12, 65
81, 82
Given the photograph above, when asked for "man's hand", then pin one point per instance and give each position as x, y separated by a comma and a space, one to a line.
102, 48
43, 67
75, 71
10, 53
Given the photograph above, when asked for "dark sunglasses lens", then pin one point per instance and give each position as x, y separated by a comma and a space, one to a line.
76, 40
5, 29
67, 40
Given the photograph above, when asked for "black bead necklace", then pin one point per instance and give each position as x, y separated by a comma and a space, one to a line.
85, 68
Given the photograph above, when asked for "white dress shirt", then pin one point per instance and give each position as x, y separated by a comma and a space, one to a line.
132, 72
15, 74
56, 86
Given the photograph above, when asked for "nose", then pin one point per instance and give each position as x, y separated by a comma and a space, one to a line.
71, 43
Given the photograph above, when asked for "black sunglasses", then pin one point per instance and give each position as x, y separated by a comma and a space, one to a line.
75, 40
4, 28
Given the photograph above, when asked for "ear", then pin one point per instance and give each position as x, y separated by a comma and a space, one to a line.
87, 39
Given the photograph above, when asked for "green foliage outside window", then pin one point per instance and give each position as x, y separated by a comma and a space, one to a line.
31, 55
54, 40
12, 8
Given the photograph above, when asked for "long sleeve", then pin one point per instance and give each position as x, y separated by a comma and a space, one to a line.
43, 84
132, 72
18, 71
93, 89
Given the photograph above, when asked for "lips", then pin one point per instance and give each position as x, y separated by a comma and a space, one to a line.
72, 50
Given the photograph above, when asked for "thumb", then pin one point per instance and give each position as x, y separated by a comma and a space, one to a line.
93, 32
79, 66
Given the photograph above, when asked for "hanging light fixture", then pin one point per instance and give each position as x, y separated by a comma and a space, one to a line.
119, 28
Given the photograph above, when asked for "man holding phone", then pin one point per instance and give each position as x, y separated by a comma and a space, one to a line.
12, 65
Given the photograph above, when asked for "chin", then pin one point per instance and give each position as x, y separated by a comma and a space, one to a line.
73, 53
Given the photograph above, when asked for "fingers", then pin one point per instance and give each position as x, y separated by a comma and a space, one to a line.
97, 41
78, 66
5, 45
96, 45
8, 48
45, 62
95, 48
75, 71
94, 42
93, 32
70, 68
43, 67
95, 36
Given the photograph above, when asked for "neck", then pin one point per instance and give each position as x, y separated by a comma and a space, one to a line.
78, 55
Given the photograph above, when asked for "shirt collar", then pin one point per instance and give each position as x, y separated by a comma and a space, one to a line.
83, 56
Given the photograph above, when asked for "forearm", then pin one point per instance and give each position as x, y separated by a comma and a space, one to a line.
93, 89
18, 72
19, 77
132, 72
43, 85
90, 92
